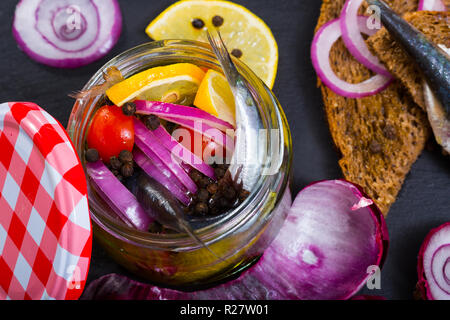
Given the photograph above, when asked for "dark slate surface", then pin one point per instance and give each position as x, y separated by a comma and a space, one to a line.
423, 203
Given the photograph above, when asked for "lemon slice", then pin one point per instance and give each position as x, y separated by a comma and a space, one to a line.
241, 30
214, 96
175, 83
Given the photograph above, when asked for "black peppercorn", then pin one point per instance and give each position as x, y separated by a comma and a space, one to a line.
212, 188
217, 21
201, 208
195, 176
92, 155
115, 163
129, 109
198, 23
202, 195
125, 156
127, 170
152, 122
237, 53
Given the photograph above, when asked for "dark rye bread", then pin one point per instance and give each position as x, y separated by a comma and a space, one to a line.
434, 25
378, 137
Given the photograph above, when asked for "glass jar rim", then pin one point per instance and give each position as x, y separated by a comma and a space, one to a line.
235, 218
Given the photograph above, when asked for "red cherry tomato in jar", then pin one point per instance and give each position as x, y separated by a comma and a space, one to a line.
111, 132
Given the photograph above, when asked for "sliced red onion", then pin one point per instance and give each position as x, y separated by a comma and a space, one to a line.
163, 110
351, 35
323, 251
320, 51
69, 33
431, 5
150, 145
117, 196
182, 153
433, 265
169, 182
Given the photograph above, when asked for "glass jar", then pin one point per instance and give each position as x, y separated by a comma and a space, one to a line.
240, 236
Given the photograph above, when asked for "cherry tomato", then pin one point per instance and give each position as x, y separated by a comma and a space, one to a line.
111, 132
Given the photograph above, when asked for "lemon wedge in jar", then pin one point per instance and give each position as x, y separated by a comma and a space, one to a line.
214, 96
246, 36
174, 83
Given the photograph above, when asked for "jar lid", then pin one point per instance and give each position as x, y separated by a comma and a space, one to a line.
45, 230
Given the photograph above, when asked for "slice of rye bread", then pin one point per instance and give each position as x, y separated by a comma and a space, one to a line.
434, 25
379, 137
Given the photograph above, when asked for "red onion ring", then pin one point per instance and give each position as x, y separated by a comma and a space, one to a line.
351, 35
431, 5
433, 266
67, 33
320, 50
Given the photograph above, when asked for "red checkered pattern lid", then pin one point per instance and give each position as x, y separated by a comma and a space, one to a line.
45, 231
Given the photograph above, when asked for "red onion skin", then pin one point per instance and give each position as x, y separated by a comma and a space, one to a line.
272, 277
72, 63
422, 288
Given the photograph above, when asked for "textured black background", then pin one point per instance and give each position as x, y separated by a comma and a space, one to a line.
423, 203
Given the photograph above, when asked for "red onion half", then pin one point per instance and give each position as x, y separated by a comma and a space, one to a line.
323, 251
432, 5
433, 265
324, 39
67, 33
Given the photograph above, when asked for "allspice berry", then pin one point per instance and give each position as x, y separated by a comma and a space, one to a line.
217, 21
152, 122
125, 156
237, 53
129, 109
115, 163
198, 23
92, 155
127, 170
201, 209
